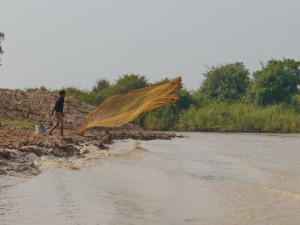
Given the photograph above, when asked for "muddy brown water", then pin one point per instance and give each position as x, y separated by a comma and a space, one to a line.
208, 178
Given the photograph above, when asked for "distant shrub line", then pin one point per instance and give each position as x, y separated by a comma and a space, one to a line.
228, 100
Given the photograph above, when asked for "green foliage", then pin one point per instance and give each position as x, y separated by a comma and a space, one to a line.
130, 82
240, 117
295, 102
227, 101
85, 111
103, 89
42, 88
276, 82
227, 82
122, 85
101, 84
166, 117
82, 95
1, 39
196, 112
163, 118
15, 123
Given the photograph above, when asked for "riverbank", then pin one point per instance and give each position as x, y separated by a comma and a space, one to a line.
21, 148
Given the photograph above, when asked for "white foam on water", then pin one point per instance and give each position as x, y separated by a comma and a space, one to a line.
208, 178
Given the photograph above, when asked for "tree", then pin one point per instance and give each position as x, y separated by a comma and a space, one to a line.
1, 39
101, 84
227, 82
130, 82
276, 82
103, 89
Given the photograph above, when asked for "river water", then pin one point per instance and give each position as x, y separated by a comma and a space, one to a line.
206, 178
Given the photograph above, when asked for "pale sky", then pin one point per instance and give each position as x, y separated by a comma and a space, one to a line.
58, 43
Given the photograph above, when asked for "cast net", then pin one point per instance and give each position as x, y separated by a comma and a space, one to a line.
120, 109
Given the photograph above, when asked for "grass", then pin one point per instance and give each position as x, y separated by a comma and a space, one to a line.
240, 117
16, 123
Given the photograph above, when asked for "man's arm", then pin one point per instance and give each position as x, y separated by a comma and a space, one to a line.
62, 109
54, 108
52, 112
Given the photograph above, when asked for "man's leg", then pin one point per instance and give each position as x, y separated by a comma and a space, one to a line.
53, 128
62, 129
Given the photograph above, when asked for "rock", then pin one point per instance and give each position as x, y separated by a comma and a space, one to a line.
4, 154
2, 172
40, 129
85, 150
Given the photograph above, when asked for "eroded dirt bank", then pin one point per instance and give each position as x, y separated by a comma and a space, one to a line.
20, 147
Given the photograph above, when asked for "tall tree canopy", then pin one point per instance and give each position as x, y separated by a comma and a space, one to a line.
276, 82
130, 82
227, 82
1, 39
101, 84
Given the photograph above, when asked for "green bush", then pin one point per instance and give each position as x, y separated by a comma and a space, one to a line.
166, 117
240, 117
81, 95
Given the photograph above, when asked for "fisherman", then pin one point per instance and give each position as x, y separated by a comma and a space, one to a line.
59, 113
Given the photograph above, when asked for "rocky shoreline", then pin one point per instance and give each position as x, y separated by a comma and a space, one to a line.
19, 149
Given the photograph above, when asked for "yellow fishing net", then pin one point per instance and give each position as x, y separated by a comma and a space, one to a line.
120, 109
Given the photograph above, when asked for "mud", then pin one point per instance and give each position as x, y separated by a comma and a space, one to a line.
20, 146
